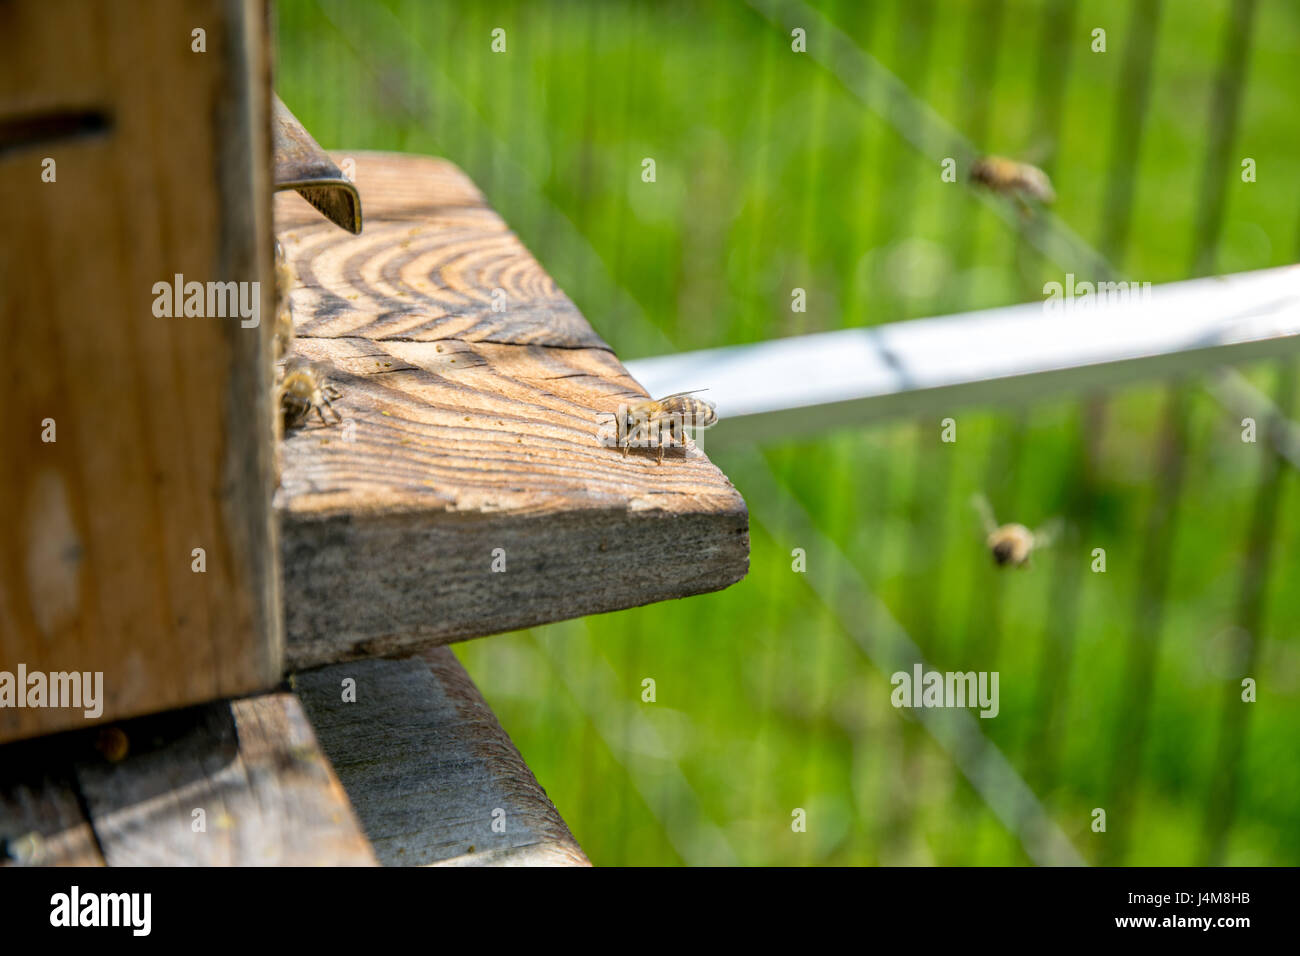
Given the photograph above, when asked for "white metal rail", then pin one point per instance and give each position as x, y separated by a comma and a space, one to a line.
810, 383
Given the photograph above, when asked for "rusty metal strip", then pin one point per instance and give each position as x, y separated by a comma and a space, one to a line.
301, 165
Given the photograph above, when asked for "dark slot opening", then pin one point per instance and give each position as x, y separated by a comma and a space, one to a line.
24, 132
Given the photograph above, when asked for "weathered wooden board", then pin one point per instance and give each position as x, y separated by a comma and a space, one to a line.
428, 768
268, 795
469, 436
129, 440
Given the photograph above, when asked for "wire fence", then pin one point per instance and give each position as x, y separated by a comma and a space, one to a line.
799, 716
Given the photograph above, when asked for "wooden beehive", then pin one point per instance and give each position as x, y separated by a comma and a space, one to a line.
136, 482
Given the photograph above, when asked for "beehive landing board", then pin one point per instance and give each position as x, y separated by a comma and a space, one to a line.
469, 438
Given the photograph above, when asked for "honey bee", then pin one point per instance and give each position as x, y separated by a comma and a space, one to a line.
1012, 544
1010, 178
303, 389
670, 414
283, 307
112, 742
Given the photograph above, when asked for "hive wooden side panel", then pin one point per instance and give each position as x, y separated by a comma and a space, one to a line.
162, 426
432, 775
469, 489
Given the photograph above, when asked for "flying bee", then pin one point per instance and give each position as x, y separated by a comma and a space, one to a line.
1015, 180
1012, 544
672, 414
283, 307
303, 389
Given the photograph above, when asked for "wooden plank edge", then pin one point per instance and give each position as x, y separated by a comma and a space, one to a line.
433, 776
426, 579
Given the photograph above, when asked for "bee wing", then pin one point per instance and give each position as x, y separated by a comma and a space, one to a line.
1049, 532
1039, 184
681, 394
985, 512
1040, 151
697, 412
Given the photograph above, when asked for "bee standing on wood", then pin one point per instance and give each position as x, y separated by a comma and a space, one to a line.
283, 307
1015, 180
304, 389
672, 413
1012, 544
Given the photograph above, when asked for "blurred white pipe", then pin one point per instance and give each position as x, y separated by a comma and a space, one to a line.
1012, 355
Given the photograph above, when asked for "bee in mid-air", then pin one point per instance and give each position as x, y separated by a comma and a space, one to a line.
303, 389
658, 419
1012, 544
1010, 178
283, 307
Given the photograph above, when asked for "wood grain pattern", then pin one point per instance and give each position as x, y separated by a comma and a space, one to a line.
466, 434
426, 266
429, 769
252, 765
162, 426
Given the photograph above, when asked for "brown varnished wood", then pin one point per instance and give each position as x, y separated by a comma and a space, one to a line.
163, 424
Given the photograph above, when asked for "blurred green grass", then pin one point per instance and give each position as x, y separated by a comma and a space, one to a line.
771, 176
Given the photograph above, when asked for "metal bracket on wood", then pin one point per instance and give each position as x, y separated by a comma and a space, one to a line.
301, 165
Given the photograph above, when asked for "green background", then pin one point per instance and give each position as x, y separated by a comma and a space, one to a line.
1118, 690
